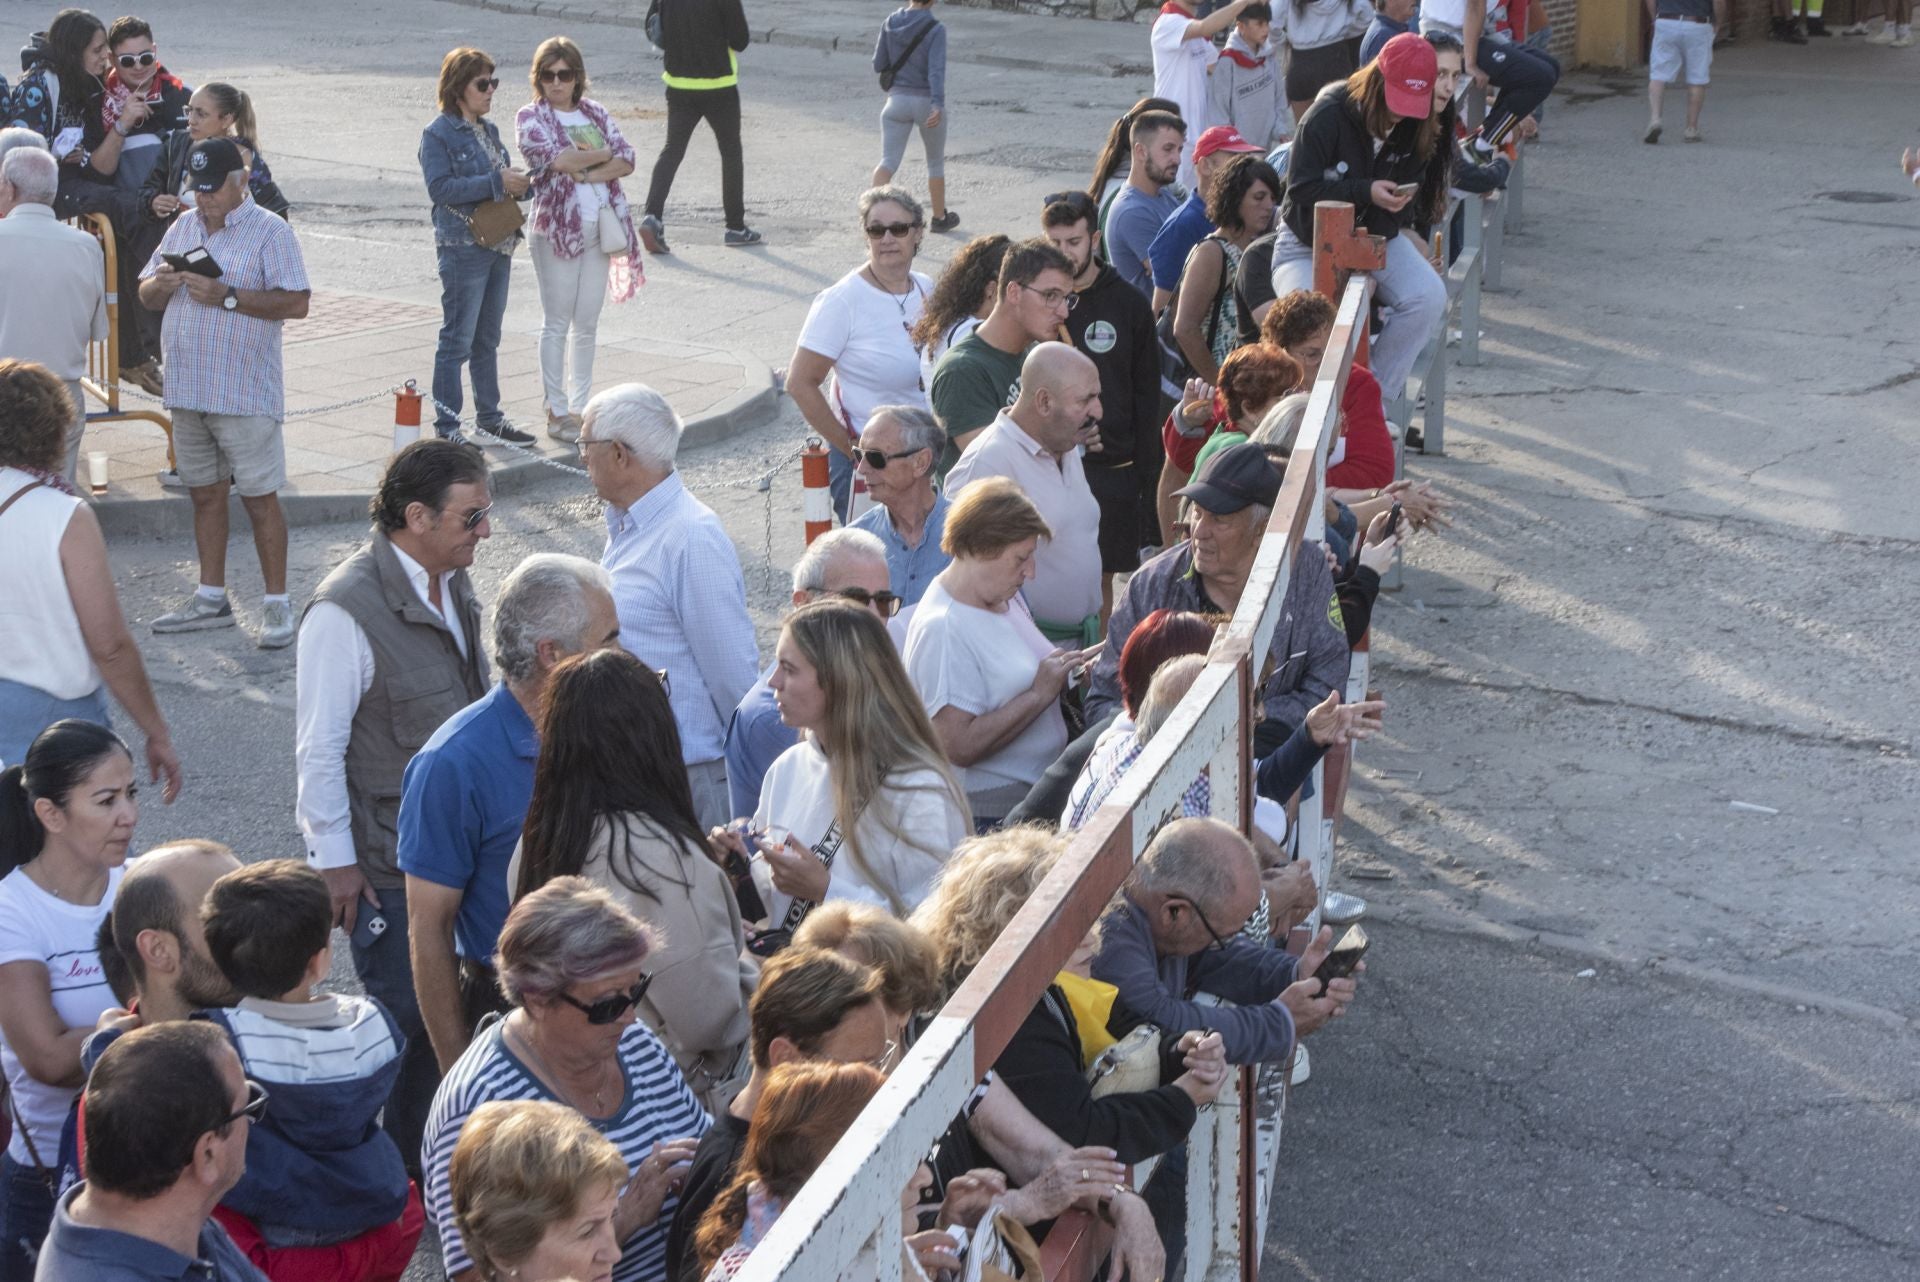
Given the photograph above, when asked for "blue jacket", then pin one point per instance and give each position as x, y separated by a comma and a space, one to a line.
461, 175
1159, 990
318, 1162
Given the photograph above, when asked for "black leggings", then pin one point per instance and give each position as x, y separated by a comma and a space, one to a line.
686, 108
1524, 78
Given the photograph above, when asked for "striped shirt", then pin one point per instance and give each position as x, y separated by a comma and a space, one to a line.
338, 1038
221, 362
656, 1105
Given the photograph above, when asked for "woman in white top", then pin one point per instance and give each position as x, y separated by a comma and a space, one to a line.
61, 631
66, 821
859, 330
864, 807
988, 677
584, 245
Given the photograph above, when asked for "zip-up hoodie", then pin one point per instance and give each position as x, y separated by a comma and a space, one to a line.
1112, 325
699, 39
1333, 159
923, 74
1245, 89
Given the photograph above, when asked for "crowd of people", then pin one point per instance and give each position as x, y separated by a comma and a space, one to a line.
642, 916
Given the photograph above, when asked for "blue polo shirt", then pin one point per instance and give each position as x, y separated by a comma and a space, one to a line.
75, 1251
1178, 235
463, 801
910, 569
755, 736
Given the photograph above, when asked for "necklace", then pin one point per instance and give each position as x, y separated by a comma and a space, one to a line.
900, 299
546, 1073
43, 878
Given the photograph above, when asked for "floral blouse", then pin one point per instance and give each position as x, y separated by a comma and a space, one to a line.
556, 210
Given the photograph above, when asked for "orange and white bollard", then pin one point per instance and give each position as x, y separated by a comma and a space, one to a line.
406, 416
816, 503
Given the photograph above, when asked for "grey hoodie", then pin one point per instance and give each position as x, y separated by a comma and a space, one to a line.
925, 73
1246, 89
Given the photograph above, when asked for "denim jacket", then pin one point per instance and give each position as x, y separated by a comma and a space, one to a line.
461, 175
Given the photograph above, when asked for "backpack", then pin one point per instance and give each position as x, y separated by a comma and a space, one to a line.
653, 27
887, 76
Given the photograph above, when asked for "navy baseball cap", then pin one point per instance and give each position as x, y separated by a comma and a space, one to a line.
211, 162
1236, 477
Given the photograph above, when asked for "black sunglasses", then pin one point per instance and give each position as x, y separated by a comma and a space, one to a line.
899, 231
878, 459
471, 521
1079, 200
128, 61
562, 74
609, 1009
487, 84
885, 602
254, 1109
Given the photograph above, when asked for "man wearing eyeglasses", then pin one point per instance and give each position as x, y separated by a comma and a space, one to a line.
390, 647
168, 1112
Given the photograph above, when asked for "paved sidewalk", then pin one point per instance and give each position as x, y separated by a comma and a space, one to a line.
356, 348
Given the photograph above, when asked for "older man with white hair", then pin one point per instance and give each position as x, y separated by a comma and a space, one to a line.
849, 563
464, 795
676, 579
55, 299
896, 455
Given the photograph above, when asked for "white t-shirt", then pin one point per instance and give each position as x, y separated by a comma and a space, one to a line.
1180, 73
1451, 14
866, 333
585, 134
797, 795
38, 928
961, 656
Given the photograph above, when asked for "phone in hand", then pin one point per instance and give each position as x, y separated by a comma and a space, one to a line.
1344, 958
1393, 523
1406, 191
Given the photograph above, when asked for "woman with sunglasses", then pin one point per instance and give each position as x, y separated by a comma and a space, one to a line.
865, 806
611, 803
584, 245
573, 966
859, 335
466, 166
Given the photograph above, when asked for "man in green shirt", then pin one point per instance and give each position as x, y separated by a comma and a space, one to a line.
980, 375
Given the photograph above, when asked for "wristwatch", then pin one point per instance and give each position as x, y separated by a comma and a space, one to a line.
232, 301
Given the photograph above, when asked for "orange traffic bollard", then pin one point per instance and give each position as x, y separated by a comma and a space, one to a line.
406, 416
816, 503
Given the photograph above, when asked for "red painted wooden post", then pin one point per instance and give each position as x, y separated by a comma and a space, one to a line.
1339, 250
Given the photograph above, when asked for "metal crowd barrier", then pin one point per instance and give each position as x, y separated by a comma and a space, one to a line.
853, 1199
103, 356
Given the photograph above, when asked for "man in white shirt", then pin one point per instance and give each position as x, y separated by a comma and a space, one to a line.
676, 580
1036, 444
1183, 54
55, 300
389, 648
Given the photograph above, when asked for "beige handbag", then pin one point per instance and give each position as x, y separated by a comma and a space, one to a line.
493, 222
1130, 1064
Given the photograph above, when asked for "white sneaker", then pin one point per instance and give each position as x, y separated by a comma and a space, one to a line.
1901, 41
1342, 909
277, 630
1301, 1072
1885, 36
197, 615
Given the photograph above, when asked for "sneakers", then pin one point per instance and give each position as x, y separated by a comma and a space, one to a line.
276, 632
197, 615
505, 431
146, 376
742, 237
1857, 29
654, 236
1785, 31
1300, 1070
1652, 136
564, 428
1887, 34
1476, 150
1902, 41
946, 222
1692, 134
1341, 909
1817, 27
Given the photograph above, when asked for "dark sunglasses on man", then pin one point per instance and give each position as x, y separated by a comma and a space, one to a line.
878, 459
886, 603
607, 1010
128, 61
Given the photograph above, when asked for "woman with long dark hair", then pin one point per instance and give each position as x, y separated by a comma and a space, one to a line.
611, 803
1206, 318
59, 96
66, 822
961, 300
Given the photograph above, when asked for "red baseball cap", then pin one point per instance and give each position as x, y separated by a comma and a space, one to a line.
1227, 138
1409, 65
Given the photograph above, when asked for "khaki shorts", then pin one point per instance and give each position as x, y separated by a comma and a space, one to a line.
209, 448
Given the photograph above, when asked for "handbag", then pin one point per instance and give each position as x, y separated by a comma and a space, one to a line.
1002, 1251
652, 25
613, 231
1130, 1064
887, 75
494, 222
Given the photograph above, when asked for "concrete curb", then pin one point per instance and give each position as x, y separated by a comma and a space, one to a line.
757, 402
861, 44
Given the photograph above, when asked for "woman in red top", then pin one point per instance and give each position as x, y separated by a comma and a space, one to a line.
1300, 323
1252, 381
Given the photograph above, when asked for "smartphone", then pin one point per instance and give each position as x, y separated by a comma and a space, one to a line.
1345, 957
1393, 522
1408, 190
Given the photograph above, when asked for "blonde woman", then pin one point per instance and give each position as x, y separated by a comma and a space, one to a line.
535, 1189
864, 807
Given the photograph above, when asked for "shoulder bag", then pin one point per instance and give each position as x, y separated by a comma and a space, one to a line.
1175, 368
886, 76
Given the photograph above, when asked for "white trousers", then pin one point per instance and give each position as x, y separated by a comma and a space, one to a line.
1413, 299
572, 291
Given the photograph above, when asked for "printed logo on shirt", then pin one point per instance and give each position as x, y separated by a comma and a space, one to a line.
1101, 336
1013, 394
1334, 616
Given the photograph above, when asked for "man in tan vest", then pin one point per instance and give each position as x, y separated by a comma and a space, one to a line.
390, 647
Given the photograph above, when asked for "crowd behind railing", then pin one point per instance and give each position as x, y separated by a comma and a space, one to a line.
645, 919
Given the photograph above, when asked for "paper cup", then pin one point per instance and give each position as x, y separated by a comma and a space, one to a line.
97, 470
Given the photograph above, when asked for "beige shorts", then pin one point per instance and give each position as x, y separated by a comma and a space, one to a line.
209, 448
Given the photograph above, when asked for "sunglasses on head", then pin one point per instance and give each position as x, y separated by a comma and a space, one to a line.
885, 602
128, 61
254, 1109
1079, 201
487, 84
608, 1009
563, 75
899, 231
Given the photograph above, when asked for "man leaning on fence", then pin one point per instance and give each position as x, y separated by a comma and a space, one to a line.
221, 334
55, 299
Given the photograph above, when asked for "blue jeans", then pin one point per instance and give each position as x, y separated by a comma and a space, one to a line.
29, 1215
385, 968
473, 298
840, 482
27, 710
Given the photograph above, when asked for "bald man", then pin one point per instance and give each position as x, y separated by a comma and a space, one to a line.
1036, 443
154, 932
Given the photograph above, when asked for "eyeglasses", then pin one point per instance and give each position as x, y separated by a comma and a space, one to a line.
253, 1110
608, 1009
899, 231
666, 685
128, 61
1218, 945
1080, 201
886, 603
583, 445
878, 459
487, 84
1055, 297
564, 75
471, 521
